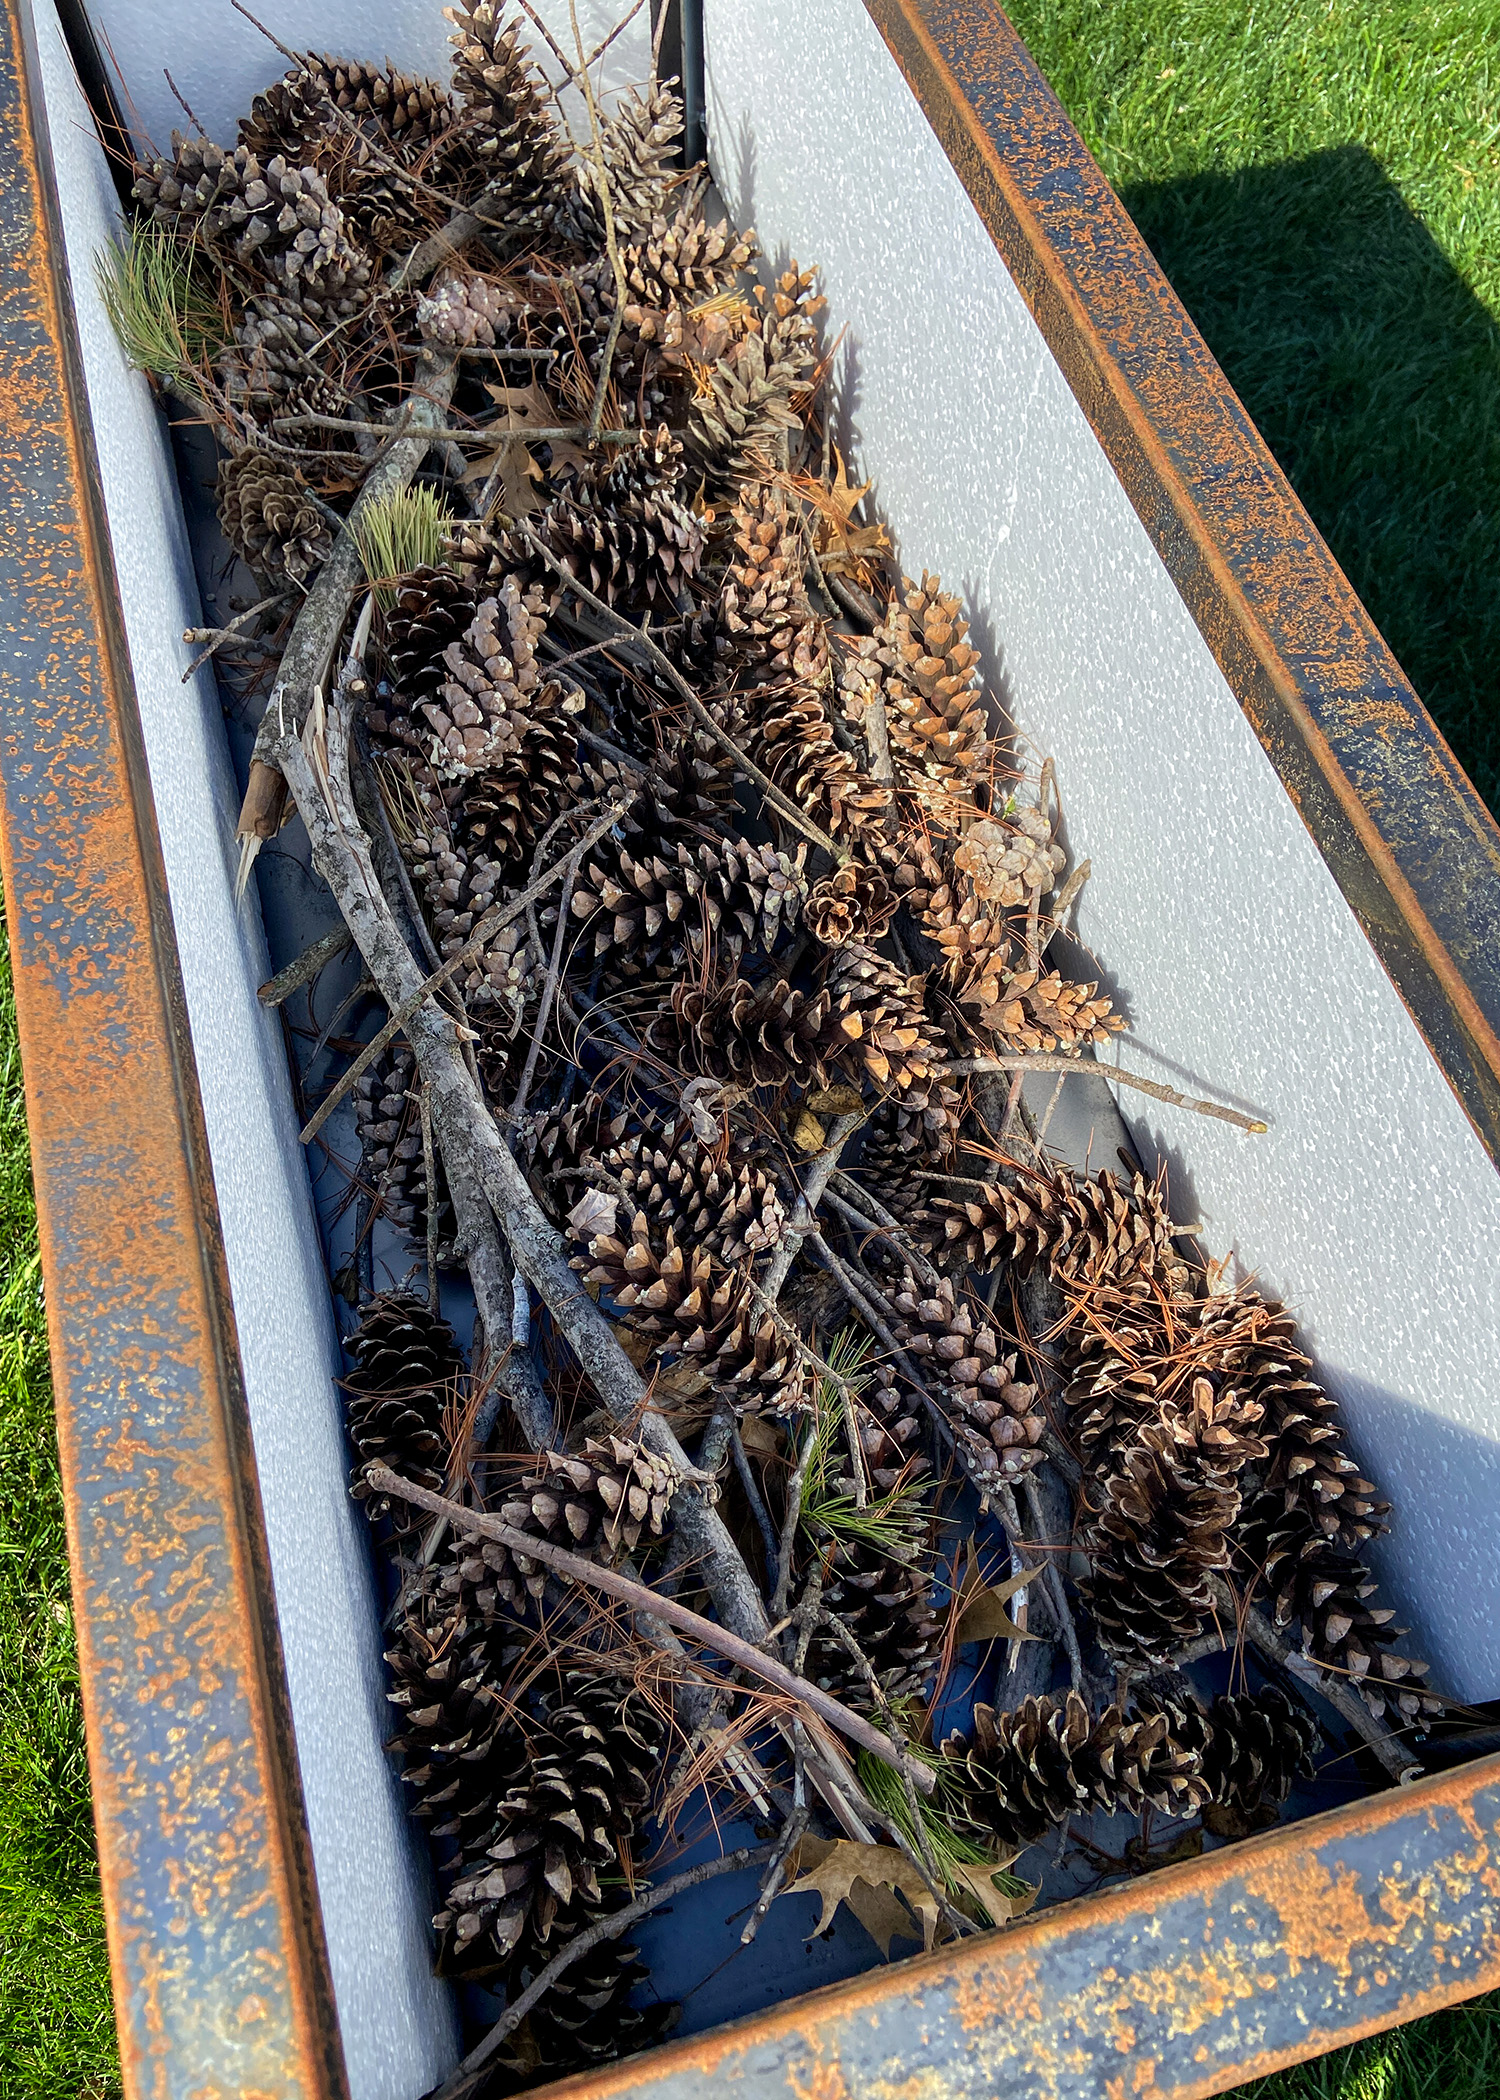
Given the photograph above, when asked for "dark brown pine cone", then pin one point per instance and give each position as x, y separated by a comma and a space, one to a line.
728, 1206
657, 905
557, 1144
640, 149
886, 1603
1160, 1527
596, 1501
390, 1137
458, 1743
433, 609
1259, 1746
270, 519
586, 2017
752, 1035
511, 136
594, 1755
406, 1374
622, 528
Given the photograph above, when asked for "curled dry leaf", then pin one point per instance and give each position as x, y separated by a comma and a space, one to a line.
981, 1608
876, 1882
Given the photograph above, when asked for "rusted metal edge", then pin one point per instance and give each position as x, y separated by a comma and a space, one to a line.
1184, 1983
216, 1947
1412, 848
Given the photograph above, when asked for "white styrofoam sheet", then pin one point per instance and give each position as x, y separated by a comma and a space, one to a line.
1371, 1206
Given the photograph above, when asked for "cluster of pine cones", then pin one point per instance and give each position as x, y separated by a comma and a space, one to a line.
727, 986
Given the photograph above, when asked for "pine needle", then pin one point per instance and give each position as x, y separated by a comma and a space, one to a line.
166, 322
408, 531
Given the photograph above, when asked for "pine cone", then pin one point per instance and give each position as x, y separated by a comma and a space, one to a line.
558, 1143
596, 1501
655, 910
886, 1603
892, 1431
270, 519
516, 141
881, 1013
1010, 860
276, 221
924, 668
1163, 1522
282, 364
586, 2017
785, 728
854, 905
390, 1136
729, 1206
457, 887
752, 1035
407, 1367
464, 311
640, 148
1258, 1748
493, 693
1088, 1232
1027, 1771
459, 1746
433, 609
738, 422
588, 1781
977, 1383
1036, 1012
683, 262
763, 600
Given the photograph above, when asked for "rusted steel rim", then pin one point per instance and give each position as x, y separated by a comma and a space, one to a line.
216, 1947
1186, 1982
1409, 843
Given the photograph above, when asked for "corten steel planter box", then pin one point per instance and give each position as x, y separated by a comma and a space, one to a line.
1298, 893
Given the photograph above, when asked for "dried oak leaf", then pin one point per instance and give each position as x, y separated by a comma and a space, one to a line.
876, 1882
526, 407
978, 1888
981, 1609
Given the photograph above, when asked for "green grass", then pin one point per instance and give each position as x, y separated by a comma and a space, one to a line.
57, 2039
1320, 180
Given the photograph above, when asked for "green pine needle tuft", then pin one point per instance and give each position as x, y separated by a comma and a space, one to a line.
409, 530
167, 323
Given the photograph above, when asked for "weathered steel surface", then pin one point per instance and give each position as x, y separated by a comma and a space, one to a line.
1408, 841
215, 1943
1184, 1983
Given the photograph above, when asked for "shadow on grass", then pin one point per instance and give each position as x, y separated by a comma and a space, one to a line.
1373, 372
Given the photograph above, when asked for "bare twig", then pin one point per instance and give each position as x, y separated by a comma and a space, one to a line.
480, 434
612, 246
777, 1868
307, 966
500, 915
429, 1170
789, 1521
462, 2081
751, 1486
229, 634
705, 1631
549, 983
805, 1210
1095, 1068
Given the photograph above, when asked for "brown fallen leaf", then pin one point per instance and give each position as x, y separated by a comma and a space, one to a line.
808, 1134
981, 1608
836, 1101
979, 1885
525, 406
868, 1879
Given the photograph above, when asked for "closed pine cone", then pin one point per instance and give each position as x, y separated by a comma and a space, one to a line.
592, 1767
463, 311
405, 1378
433, 609
270, 519
1162, 1525
1010, 860
457, 1742
886, 1603
492, 692
762, 599
978, 1382
390, 1136
923, 666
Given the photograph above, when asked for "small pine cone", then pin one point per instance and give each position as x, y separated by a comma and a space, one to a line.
640, 147
494, 691
978, 1383
789, 736
200, 191
586, 2017
853, 905
674, 1296
280, 363
727, 1206
270, 519
735, 422
1162, 1525
1036, 1012
1258, 1748
405, 1377
893, 1431
659, 909
512, 134
1011, 860
684, 262
458, 1745
596, 1501
465, 311
433, 610
390, 1136
589, 1780
974, 941
890, 1038
621, 528
885, 1601
1321, 1590
559, 1144
1088, 1232
752, 1035
762, 600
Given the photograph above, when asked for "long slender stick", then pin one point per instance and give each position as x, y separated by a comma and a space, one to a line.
805, 1211
480, 434
466, 2076
729, 1645
498, 916
1094, 1068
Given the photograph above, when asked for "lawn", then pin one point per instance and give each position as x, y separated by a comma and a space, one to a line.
1320, 180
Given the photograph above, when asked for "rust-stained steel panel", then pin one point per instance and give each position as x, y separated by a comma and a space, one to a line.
216, 1950
1183, 1983
1411, 846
